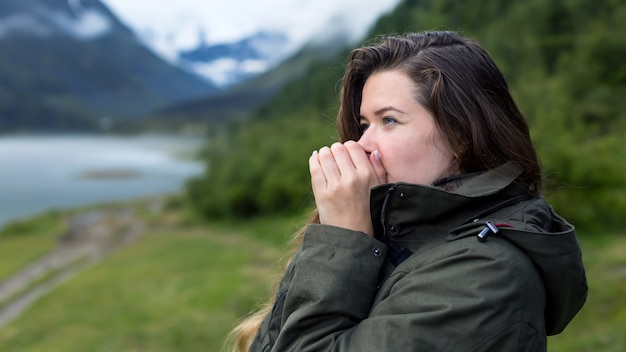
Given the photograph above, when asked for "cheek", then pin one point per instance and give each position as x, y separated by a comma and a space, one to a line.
398, 159
410, 162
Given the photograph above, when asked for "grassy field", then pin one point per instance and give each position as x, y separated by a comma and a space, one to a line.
23, 242
183, 285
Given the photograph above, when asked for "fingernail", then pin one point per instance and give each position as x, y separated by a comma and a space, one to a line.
314, 152
376, 155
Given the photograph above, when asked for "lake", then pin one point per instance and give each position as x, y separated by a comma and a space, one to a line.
39, 173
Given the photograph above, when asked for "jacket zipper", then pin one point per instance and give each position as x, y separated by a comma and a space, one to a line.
396, 254
383, 211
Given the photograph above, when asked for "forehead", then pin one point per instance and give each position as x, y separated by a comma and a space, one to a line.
388, 88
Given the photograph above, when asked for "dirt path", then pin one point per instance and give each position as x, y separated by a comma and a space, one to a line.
89, 238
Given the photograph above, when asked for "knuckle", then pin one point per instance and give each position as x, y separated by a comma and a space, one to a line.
332, 189
337, 147
324, 152
363, 173
349, 180
356, 180
354, 148
351, 144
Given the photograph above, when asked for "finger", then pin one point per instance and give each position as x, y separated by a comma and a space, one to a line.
328, 165
318, 180
381, 173
358, 155
343, 159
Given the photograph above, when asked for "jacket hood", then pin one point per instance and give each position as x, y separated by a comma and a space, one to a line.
465, 207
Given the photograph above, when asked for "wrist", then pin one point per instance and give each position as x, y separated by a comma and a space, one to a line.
363, 225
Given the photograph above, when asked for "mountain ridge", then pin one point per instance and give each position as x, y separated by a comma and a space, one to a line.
239, 101
66, 65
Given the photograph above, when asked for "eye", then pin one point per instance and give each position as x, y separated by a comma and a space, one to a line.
389, 120
363, 126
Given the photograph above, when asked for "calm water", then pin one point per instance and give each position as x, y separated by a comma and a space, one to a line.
41, 173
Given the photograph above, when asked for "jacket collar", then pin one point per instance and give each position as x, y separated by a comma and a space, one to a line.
400, 210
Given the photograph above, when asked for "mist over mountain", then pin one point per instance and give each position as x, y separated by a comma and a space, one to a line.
239, 100
229, 63
228, 42
66, 65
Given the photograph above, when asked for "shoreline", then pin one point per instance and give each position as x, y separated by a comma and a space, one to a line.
52, 172
69, 211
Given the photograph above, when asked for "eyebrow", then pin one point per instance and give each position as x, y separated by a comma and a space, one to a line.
384, 110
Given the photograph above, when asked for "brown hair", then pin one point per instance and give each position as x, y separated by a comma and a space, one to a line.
462, 87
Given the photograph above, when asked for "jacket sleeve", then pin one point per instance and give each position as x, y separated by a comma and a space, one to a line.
457, 301
327, 289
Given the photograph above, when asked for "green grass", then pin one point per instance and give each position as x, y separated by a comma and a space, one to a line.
170, 290
23, 242
17, 253
183, 286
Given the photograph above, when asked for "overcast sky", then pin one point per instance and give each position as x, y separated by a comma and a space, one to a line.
174, 23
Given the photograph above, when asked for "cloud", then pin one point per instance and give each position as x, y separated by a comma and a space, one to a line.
23, 23
223, 72
88, 24
167, 25
85, 25
170, 27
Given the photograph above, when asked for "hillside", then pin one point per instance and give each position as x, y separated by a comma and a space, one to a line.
65, 67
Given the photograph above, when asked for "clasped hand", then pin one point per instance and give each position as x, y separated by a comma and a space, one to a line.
342, 177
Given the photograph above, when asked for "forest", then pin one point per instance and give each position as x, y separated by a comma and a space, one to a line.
564, 62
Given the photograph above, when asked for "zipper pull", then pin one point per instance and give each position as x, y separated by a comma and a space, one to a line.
489, 228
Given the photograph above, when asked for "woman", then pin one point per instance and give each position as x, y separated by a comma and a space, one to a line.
431, 233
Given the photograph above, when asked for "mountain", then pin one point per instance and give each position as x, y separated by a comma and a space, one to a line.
239, 101
230, 41
228, 63
66, 65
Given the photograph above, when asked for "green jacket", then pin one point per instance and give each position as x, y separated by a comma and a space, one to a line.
427, 282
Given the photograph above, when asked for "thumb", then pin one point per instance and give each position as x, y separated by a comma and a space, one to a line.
381, 173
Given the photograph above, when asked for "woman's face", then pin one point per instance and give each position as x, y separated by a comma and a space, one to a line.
410, 146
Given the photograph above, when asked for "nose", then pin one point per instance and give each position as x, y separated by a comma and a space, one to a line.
367, 141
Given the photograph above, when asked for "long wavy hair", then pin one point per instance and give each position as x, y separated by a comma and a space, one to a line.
461, 86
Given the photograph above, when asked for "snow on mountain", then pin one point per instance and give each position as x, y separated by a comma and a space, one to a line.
222, 63
227, 63
46, 21
183, 31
